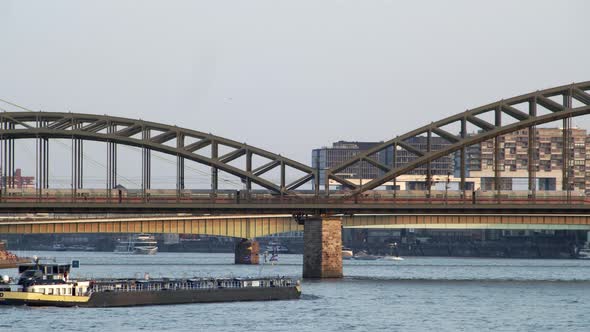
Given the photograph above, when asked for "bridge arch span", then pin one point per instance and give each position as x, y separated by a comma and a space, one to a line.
171, 140
522, 112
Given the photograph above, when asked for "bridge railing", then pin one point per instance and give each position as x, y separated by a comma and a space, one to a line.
90, 196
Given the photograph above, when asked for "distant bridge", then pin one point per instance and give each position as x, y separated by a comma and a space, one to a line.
251, 226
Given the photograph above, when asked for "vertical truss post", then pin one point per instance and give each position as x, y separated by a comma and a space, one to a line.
497, 178
77, 161
428, 168
38, 190
42, 161
327, 182
37, 163
5, 174
7, 159
80, 163
179, 166
180, 175
567, 169
360, 174
42, 165
214, 170
108, 180
73, 164
532, 169
462, 162
2, 158
316, 182
393, 166
11, 158
146, 164
45, 163
249, 170
282, 178
111, 162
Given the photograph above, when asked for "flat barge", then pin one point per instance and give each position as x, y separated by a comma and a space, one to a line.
49, 285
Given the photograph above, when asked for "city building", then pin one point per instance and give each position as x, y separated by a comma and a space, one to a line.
20, 181
441, 169
328, 157
479, 162
548, 160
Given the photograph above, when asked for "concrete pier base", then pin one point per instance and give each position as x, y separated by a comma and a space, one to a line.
322, 254
246, 252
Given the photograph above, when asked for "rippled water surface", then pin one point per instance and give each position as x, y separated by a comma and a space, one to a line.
417, 294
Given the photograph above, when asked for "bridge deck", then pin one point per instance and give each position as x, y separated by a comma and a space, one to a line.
251, 226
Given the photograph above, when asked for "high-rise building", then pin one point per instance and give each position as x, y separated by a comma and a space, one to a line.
328, 157
548, 160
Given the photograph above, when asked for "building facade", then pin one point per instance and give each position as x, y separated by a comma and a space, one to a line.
480, 161
328, 157
548, 160
18, 181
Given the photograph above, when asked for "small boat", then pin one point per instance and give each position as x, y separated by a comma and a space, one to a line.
347, 253
584, 253
49, 284
394, 253
59, 247
89, 248
364, 256
276, 247
140, 244
393, 258
145, 244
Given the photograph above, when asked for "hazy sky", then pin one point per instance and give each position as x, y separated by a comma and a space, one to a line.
287, 76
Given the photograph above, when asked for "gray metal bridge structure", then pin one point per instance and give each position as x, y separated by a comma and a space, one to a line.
303, 195
508, 115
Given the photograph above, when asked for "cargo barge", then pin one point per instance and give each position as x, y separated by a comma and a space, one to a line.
48, 284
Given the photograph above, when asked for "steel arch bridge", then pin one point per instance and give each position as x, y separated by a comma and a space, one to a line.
179, 142
508, 115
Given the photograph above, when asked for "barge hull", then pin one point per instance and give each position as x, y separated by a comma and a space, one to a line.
161, 297
126, 299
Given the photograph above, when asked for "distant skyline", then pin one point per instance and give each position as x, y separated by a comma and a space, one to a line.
285, 76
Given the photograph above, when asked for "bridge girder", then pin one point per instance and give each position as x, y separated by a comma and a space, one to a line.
172, 140
249, 227
532, 102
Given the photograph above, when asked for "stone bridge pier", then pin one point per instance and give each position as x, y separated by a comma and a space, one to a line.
322, 254
246, 252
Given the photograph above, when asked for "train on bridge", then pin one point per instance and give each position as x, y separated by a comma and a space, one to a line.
300, 197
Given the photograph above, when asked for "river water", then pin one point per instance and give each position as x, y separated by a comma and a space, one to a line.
417, 294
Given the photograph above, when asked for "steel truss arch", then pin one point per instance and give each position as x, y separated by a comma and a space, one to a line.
168, 139
557, 110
